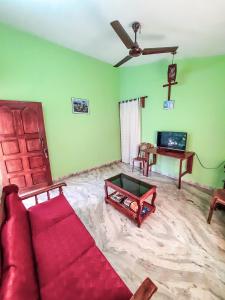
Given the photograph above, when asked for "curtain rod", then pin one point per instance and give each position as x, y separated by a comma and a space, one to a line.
135, 99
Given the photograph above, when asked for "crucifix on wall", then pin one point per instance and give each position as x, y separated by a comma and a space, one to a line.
171, 77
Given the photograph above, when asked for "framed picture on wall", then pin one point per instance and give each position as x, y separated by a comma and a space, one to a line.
80, 106
168, 104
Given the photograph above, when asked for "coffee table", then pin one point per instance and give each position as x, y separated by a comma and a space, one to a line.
144, 194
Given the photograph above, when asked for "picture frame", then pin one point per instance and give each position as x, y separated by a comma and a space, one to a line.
168, 104
80, 106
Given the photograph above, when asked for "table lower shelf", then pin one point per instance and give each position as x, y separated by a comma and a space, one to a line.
135, 216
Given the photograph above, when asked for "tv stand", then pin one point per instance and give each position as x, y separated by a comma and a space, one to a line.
170, 150
180, 155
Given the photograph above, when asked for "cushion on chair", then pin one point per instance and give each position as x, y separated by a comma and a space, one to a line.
89, 277
19, 281
59, 237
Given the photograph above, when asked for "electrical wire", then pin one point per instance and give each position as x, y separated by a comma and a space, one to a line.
223, 162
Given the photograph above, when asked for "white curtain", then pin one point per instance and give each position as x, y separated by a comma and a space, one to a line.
130, 126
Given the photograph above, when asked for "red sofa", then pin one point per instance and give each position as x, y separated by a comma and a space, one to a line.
48, 254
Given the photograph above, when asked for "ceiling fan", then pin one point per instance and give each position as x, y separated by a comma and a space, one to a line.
135, 50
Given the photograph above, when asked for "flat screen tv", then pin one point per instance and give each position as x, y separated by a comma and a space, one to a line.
172, 140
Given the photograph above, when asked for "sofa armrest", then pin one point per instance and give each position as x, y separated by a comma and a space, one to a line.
44, 190
145, 290
5, 192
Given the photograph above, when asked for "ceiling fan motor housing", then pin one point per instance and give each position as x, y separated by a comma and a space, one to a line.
134, 52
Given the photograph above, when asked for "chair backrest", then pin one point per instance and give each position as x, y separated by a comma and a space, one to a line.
142, 149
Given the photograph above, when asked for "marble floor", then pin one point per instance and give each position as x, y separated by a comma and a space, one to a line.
175, 246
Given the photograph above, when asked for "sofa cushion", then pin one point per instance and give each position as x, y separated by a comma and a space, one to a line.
19, 281
89, 277
59, 237
49, 212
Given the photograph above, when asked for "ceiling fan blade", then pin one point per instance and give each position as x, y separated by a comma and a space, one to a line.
122, 34
125, 59
148, 51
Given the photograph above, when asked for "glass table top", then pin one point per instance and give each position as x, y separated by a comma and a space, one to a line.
130, 184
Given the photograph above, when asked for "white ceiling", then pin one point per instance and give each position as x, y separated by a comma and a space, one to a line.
196, 26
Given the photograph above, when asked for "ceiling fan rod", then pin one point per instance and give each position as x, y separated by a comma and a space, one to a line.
136, 26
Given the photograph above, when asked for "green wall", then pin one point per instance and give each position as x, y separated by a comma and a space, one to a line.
32, 69
199, 110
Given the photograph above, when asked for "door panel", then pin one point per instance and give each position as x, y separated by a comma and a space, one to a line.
10, 147
33, 145
14, 165
29, 120
23, 145
19, 181
36, 162
38, 178
6, 121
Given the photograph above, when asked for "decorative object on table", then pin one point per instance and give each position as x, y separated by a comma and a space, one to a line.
80, 106
127, 202
134, 48
171, 78
131, 204
145, 210
134, 206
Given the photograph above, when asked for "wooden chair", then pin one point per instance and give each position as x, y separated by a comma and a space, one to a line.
218, 198
143, 156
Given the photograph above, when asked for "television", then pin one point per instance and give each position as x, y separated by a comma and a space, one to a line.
172, 140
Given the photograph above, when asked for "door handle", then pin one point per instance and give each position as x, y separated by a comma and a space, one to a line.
46, 153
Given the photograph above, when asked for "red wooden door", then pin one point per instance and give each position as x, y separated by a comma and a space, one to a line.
23, 145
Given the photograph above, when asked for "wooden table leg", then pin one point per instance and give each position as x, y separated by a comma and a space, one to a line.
211, 209
180, 174
106, 192
153, 199
139, 214
188, 170
149, 165
190, 164
146, 167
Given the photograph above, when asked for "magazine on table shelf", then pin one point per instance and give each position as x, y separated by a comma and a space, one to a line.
125, 201
117, 197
